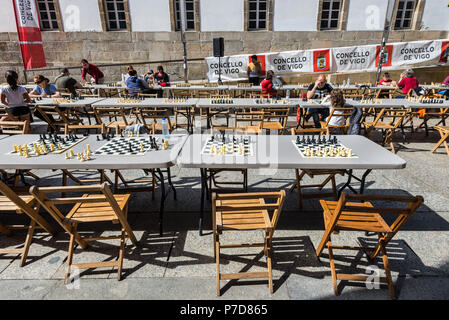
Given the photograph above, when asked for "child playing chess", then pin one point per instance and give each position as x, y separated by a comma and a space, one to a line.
337, 101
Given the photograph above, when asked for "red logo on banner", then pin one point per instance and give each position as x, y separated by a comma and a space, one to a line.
387, 58
444, 52
321, 60
261, 59
29, 33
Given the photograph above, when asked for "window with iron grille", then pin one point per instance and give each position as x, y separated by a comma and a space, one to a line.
330, 14
47, 15
404, 15
115, 15
190, 15
257, 15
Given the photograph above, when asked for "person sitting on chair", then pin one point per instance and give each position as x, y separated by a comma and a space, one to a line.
64, 82
15, 98
408, 81
317, 91
134, 82
268, 86
44, 88
386, 80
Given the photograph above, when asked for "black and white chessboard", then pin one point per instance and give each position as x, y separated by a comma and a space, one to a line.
232, 144
314, 142
61, 143
128, 146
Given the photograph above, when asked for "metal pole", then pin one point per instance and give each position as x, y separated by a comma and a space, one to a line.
386, 34
182, 7
219, 71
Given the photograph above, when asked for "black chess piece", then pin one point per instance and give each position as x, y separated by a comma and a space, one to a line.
130, 147
324, 139
319, 140
303, 140
98, 138
335, 140
297, 140
308, 140
313, 139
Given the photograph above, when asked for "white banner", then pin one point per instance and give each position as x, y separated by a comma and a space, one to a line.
349, 59
27, 13
335, 60
290, 61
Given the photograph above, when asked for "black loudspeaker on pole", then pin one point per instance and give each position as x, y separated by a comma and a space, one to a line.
219, 52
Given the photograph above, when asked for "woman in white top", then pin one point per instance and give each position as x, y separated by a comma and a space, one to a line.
337, 100
15, 98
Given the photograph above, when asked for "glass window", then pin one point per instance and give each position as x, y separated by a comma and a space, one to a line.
257, 15
330, 14
404, 15
47, 15
115, 15
190, 14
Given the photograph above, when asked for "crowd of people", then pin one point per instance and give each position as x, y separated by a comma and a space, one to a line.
16, 97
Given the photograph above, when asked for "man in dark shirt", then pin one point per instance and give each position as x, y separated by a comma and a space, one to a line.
93, 71
65, 82
317, 91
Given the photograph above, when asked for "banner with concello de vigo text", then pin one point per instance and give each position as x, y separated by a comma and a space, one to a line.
333, 60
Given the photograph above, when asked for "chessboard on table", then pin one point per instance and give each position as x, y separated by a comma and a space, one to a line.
61, 143
228, 146
322, 147
129, 146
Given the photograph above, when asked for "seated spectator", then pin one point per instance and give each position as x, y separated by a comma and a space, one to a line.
133, 82
64, 82
268, 86
386, 80
337, 101
408, 81
126, 75
161, 78
44, 88
445, 83
15, 98
149, 77
317, 91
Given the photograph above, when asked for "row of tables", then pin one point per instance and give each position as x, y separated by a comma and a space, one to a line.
271, 152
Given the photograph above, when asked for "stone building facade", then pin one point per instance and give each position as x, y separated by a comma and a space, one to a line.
147, 31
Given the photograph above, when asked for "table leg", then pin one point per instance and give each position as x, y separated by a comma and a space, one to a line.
348, 183
203, 191
170, 183
163, 196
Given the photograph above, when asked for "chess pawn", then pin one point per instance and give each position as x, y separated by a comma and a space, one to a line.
52, 147
67, 155
349, 152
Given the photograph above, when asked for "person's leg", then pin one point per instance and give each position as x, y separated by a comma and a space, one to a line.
315, 116
354, 120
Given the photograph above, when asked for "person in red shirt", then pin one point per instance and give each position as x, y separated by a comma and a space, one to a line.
386, 80
408, 81
93, 71
267, 85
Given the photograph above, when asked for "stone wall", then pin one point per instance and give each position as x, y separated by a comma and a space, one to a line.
67, 49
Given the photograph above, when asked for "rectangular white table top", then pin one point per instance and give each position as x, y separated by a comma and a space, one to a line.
70, 103
247, 102
146, 102
279, 152
151, 159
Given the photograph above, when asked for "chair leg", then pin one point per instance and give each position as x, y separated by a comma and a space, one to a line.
70, 254
121, 253
332, 264
270, 273
27, 244
217, 259
5, 230
387, 270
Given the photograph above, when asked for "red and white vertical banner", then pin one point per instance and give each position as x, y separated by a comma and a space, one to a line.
29, 32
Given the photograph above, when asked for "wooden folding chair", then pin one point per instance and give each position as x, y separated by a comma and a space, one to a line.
361, 215
21, 203
6, 114
275, 119
117, 118
388, 120
249, 117
444, 133
62, 117
244, 212
76, 129
179, 93
335, 113
312, 173
152, 119
440, 114
15, 127
103, 206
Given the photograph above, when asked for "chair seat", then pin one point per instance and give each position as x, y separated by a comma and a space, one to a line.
249, 129
8, 205
242, 220
379, 125
96, 211
272, 125
120, 124
364, 221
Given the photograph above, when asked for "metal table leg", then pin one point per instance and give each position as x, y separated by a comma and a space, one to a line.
348, 183
163, 197
203, 191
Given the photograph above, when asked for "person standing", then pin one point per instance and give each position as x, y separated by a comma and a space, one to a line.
93, 71
318, 90
15, 98
254, 70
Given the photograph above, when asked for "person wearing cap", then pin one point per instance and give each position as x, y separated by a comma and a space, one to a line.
44, 88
